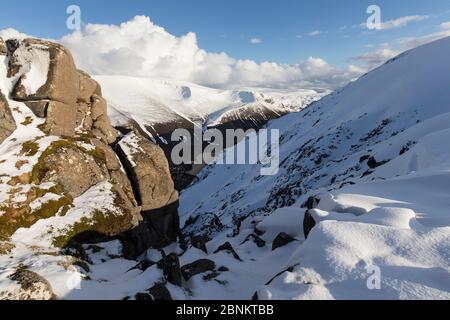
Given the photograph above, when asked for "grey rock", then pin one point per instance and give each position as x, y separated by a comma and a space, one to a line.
197, 267
7, 123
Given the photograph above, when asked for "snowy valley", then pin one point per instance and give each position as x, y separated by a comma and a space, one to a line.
363, 187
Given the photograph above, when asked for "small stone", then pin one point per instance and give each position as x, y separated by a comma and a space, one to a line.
228, 248
281, 240
308, 223
171, 269
197, 267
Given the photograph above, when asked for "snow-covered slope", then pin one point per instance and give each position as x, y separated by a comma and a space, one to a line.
375, 154
151, 102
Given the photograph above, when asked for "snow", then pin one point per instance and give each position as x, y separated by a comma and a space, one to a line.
98, 198
374, 153
151, 101
35, 62
393, 217
130, 145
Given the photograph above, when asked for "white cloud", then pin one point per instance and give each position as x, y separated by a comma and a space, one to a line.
314, 33
388, 51
255, 41
142, 49
399, 22
445, 25
376, 58
12, 33
413, 42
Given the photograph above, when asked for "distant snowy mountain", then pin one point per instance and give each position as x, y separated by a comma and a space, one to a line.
159, 105
374, 155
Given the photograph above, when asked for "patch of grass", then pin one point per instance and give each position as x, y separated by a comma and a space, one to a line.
29, 148
15, 217
104, 222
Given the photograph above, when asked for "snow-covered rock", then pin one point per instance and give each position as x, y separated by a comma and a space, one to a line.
61, 184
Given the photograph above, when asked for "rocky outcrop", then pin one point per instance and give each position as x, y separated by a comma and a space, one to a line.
3, 48
7, 123
46, 80
68, 98
62, 82
31, 287
149, 172
149, 169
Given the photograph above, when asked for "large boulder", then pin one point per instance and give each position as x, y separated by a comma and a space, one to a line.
92, 110
31, 287
149, 170
88, 87
47, 82
7, 123
102, 129
70, 167
61, 119
29, 57
74, 169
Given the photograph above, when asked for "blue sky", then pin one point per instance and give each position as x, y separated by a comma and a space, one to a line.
319, 44
229, 25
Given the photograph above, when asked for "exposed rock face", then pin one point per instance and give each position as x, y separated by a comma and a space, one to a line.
150, 171
62, 82
7, 123
153, 187
68, 98
88, 87
3, 48
32, 287
46, 80
70, 167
